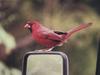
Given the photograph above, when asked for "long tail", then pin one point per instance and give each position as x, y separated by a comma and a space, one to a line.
76, 29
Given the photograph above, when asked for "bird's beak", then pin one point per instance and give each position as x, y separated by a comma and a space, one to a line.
27, 26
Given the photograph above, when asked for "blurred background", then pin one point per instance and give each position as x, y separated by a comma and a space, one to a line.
60, 15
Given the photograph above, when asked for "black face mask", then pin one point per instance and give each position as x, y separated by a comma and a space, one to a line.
30, 29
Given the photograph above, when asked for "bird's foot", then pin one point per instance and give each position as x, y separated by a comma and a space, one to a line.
45, 50
60, 44
50, 49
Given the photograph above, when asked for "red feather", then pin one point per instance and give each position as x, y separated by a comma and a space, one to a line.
50, 38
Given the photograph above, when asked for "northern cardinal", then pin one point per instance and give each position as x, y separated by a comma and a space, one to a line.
50, 38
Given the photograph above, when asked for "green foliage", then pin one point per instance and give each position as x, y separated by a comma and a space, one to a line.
4, 70
7, 39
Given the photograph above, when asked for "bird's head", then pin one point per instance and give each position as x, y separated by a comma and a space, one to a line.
31, 25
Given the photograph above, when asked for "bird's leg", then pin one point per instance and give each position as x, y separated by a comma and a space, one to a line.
45, 50
60, 44
49, 49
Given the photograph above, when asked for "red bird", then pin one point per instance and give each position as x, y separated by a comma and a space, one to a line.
50, 38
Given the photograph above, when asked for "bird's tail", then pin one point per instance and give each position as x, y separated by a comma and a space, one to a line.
76, 29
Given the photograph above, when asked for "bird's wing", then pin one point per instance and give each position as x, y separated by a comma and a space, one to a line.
60, 33
53, 37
